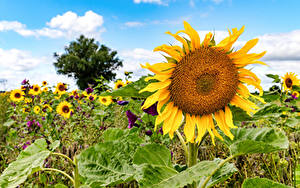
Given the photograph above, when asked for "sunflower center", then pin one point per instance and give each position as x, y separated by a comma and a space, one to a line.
204, 81
119, 86
17, 95
288, 82
104, 100
65, 109
61, 88
36, 89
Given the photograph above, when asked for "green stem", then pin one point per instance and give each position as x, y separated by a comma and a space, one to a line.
76, 174
62, 172
192, 159
66, 157
182, 143
218, 167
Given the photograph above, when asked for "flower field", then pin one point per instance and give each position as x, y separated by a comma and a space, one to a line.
193, 123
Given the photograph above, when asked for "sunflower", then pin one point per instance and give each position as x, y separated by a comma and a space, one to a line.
45, 89
119, 84
26, 110
199, 82
36, 90
64, 109
28, 100
290, 79
295, 94
106, 100
17, 95
44, 83
60, 88
36, 109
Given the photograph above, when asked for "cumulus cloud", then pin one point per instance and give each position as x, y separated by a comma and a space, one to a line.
67, 25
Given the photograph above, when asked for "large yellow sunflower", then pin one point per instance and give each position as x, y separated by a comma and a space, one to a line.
36, 90
64, 109
17, 95
290, 79
199, 81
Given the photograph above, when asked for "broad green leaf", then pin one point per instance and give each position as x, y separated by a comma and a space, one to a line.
54, 145
59, 185
239, 115
256, 140
271, 97
276, 78
222, 174
262, 183
29, 161
131, 90
269, 110
110, 163
158, 176
154, 154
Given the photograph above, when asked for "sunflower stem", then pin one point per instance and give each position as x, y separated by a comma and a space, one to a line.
192, 159
182, 143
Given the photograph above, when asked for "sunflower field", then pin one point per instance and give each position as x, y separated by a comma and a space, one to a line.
193, 123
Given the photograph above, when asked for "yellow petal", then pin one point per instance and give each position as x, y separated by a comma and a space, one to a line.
151, 100
164, 114
160, 68
220, 118
243, 90
242, 103
176, 123
202, 125
249, 81
161, 103
155, 86
170, 51
207, 39
228, 117
258, 98
168, 123
248, 74
189, 129
193, 34
245, 49
180, 39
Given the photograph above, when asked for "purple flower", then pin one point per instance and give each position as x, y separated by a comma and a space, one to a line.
76, 97
24, 82
122, 102
29, 123
72, 96
161, 131
149, 133
91, 98
171, 154
38, 124
287, 100
131, 118
89, 90
24, 146
43, 118
294, 97
152, 110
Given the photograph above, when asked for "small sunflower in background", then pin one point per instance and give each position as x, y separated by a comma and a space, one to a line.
36, 109
119, 84
45, 89
26, 110
36, 90
17, 95
199, 81
44, 83
106, 100
64, 109
61, 88
290, 79
295, 94
28, 100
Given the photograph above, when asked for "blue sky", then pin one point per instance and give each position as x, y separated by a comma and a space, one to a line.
31, 31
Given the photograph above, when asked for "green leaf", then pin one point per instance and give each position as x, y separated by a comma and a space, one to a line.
29, 161
297, 175
54, 145
262, 183
154, 154
110, 163
276, 78
239, 115
9, 123
59, 185
256, 140
131, 90
222, 174
157, 176
271, 97
268, 110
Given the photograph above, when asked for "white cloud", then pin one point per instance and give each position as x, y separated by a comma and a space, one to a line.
68, 25
133, 24
148, 1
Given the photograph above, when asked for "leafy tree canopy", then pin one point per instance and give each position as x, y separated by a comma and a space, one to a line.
86, 61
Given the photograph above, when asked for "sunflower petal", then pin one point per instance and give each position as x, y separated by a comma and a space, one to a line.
202, 125
155, 86
189, 129
151, 100
249, 81
220, 118
242, 103
158, 77
193, 34
247, 73
207, 39
161, 103
228, 117
176, 123
168, 123
160, 68
180, 39
245, 49
170, 51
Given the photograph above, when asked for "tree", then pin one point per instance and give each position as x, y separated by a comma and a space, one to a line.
86, 61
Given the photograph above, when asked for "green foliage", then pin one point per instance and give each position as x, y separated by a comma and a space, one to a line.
256, 140
131, 90
275, 77
86, 61
297, 175
262, 183
29, 161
